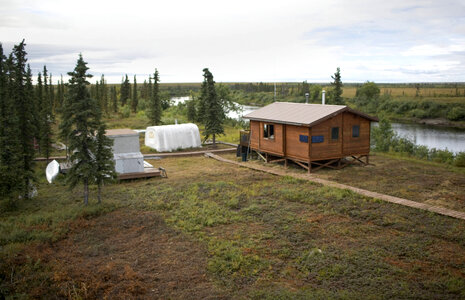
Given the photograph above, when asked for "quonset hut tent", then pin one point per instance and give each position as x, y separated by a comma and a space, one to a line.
172, 137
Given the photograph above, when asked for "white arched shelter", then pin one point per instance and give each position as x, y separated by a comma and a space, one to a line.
172, 137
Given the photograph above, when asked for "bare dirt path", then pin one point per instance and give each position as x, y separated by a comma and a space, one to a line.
313, 178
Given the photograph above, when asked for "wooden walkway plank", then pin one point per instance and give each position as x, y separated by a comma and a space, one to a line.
158, 155
401, 201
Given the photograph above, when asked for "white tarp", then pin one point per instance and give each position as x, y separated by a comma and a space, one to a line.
172, 137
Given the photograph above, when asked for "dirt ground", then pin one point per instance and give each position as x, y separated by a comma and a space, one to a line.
130, 255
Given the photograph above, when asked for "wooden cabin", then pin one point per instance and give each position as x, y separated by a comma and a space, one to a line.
309, 134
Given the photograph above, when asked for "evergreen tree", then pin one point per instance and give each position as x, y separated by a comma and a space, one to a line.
105, 166
201, 102
22, 94
125, 91
96, 96
52, 97
135, 100
155, 109
114, 99
214, 113
46, 119
62, 92
336, 92
104, 94
150, 89
10, 177
144, 92
81, 118
39, 99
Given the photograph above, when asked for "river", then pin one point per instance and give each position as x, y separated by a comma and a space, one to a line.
437, 137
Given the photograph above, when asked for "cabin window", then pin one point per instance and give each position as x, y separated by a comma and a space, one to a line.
356, 131
318, 139
303, 138
335, 133
268, 131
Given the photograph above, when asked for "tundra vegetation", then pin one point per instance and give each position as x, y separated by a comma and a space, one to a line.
221, 230
215, 230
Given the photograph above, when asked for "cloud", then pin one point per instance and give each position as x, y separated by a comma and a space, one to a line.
397, 40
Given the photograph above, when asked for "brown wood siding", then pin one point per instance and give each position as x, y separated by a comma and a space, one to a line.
328, 148
287, 143
356, 145
273, 146
255, 133
294, 147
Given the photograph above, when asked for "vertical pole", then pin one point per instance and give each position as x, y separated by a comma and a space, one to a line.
309, 166
285, 163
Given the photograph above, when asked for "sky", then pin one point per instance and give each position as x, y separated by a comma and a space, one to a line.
243, 41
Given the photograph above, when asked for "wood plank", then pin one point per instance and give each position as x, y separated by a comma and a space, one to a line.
148, 172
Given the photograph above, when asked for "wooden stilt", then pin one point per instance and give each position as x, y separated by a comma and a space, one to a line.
309, 166
261, 156
285, 163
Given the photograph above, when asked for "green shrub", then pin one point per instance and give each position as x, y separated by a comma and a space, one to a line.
441, 156
456, 114
125, 111
459, 160
419, 113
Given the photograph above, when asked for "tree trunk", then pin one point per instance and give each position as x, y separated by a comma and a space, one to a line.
86, 192
99, 193
214, 141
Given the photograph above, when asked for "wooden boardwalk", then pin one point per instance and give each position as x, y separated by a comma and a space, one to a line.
158, 155
401, 201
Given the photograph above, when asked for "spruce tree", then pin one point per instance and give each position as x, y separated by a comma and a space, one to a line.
52, 98
144, 92
125, 91
96, 96
155, 109
336, 93
39, 99
214, 113
135, 100
150, 89
114, 99
62, 92
10, 175
46, 119
201, 102
105, 166
104, 94
23, 97
80, 124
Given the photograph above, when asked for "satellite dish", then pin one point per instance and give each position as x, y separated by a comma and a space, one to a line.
52, 171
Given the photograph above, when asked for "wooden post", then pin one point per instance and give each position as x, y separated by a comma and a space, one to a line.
368, 159
285, 163
309, 166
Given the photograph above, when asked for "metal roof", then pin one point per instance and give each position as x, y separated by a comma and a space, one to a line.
300, 114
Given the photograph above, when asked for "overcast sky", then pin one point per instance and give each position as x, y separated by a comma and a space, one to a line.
286, 40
